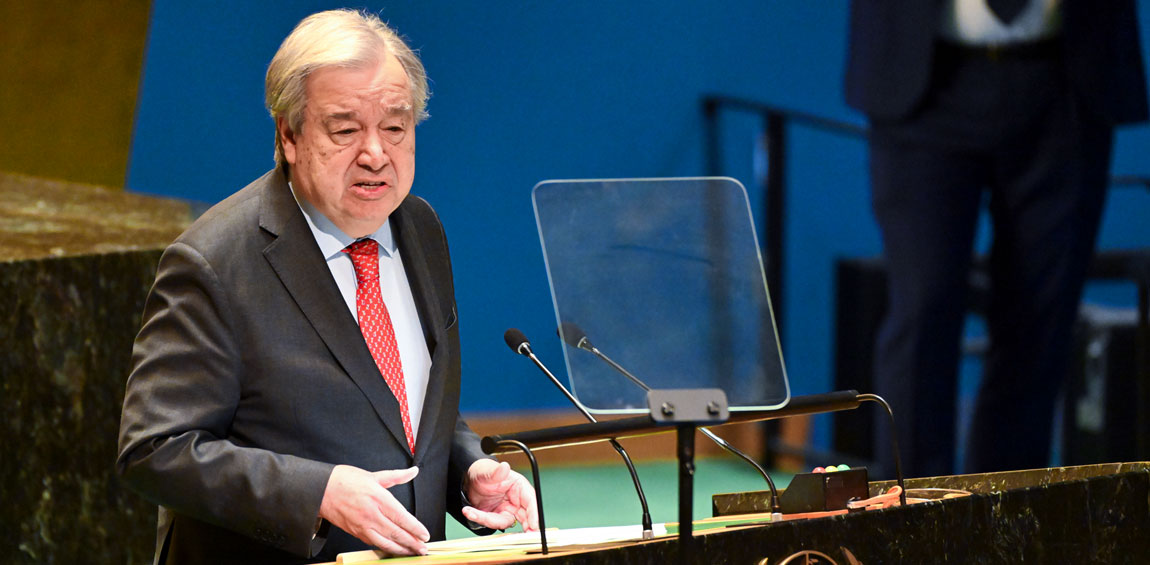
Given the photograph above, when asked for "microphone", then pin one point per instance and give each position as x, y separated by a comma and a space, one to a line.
519, 344
574, 336
517, 341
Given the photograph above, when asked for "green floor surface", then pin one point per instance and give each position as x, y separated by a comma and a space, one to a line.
577, 496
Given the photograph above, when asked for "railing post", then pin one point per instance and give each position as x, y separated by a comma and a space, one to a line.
1142, 366
711, 136
774, 191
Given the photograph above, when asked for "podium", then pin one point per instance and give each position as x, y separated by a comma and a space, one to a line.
1098, 513
651, 424
1087, 514
76, 262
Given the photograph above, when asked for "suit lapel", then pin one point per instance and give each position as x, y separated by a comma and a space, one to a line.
431, 316
300, 266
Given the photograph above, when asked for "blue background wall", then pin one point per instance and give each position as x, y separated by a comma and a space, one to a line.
528, 91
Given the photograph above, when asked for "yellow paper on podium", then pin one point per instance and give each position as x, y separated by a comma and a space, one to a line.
521, 542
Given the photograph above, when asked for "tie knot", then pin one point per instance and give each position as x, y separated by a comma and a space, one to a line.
365, 258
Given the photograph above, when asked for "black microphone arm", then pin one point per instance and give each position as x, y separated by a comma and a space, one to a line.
520, 345
574, 336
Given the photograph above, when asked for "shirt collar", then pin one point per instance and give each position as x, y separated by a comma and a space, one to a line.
331, 239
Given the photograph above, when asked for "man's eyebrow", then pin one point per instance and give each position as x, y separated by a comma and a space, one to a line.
339, 116
399, 108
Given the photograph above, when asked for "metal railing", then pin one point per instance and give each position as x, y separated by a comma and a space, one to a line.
775, 121
1131, 266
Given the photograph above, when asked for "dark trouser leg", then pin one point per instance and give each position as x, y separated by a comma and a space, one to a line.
928, 173
1011, 126
1047, 198
926, 200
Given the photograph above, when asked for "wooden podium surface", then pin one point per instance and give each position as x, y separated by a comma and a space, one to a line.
1089, 514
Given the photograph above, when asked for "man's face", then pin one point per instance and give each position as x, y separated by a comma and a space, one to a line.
353, 158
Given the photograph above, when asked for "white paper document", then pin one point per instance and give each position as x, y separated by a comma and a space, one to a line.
523, 541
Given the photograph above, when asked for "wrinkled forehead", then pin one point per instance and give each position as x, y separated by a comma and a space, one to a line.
391, 88
371, 87
396, 103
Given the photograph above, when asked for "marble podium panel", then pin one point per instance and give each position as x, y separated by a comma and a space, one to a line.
1090, 514
76, 262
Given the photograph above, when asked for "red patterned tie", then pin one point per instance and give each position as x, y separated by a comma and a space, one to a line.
375, 323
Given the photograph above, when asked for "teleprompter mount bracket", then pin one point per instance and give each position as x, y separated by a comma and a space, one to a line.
687, 409
688, 406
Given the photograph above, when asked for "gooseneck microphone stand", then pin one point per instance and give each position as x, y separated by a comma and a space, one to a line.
681, 410
573, 335
538, 486
520, 345
893, 442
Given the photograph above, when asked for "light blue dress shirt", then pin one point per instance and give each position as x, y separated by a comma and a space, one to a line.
396, 292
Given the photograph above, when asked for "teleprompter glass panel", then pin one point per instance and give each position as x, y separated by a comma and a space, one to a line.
661, 279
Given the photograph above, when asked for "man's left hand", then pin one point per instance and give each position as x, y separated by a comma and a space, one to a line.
499, 497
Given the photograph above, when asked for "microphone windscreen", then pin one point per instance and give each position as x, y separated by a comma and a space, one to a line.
514, 339
571, 333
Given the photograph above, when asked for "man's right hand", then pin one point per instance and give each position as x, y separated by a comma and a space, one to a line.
357, 502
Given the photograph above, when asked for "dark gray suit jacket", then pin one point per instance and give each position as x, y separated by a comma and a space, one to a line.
891, 51
251, 380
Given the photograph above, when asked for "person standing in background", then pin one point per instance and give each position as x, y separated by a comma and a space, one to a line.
1011, 103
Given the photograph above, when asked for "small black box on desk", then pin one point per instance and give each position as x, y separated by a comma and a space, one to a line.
818, 492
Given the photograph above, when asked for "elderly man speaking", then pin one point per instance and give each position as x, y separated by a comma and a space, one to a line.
295, 384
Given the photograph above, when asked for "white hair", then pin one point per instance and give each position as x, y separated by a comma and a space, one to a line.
335, 38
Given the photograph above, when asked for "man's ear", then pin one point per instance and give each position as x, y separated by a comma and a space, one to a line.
287, 139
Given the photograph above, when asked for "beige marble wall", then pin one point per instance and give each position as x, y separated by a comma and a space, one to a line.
71, 71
